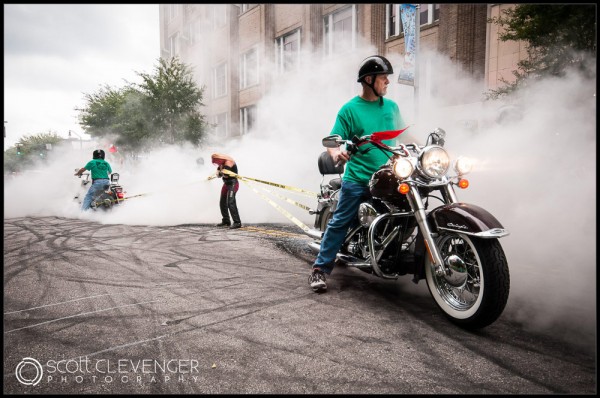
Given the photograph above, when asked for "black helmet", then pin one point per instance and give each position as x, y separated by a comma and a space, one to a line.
98, 154
374, 65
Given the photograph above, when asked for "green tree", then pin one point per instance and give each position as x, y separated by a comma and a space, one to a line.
29, 150
558, 36
118, 115
174, 100
102, 112
163, 108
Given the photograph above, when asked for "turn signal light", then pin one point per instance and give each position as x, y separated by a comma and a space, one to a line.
462, 183
403, 188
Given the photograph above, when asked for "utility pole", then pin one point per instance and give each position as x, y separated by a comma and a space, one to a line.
80, 141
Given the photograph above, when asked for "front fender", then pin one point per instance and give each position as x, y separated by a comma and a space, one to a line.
467, 219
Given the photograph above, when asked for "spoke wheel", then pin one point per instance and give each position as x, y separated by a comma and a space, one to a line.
473, 290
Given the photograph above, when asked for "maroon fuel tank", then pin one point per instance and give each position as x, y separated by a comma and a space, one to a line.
384, 185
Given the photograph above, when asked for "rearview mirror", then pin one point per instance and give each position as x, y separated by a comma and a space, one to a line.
332, 141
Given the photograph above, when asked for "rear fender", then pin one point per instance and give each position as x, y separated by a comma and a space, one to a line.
466, 218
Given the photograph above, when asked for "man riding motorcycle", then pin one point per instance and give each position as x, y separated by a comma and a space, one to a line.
100, 170
362, 115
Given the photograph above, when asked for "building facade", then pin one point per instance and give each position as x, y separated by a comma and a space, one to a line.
231, 45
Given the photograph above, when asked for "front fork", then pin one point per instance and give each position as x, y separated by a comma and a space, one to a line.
416, 202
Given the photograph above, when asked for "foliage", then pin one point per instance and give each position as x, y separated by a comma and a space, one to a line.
558, 36
29, 150
173, 98
164, 108
102, 111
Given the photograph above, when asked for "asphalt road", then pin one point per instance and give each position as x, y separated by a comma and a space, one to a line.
121, 309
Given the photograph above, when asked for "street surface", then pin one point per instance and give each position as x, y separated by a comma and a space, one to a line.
119, 309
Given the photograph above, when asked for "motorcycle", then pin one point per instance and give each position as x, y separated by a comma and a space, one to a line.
112, 194
402, 229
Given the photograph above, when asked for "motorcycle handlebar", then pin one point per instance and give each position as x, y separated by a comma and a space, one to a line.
335, 141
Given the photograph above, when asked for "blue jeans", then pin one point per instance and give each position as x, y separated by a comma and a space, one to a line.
97, 186
351, 195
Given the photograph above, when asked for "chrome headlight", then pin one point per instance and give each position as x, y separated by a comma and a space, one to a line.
402, 168
434, 161
463, 165
366, 214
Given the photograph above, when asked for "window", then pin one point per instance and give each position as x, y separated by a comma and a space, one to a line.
221, 125
393, 20
173, 11
429, 13
219, 15
249, 68
191, 33
220, 80
247, 119
174, 44
248, 7
340, 30
287, 52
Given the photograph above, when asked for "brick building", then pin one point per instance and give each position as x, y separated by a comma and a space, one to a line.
229, 45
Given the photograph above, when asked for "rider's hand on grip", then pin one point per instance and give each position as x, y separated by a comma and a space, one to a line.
341, 158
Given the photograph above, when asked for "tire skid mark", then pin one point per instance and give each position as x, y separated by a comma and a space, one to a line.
460, 338
506, 363
463, 338
204, 260
59, 303
124, 322
204, 312
156, 268
78, 315
175, 264
113, 348
253, 307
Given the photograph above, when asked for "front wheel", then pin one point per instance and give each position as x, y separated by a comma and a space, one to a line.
474, 288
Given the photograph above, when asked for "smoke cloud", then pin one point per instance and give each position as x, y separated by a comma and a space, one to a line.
535, 172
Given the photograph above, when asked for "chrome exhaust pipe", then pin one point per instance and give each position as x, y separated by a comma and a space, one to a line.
314, 233
314, 246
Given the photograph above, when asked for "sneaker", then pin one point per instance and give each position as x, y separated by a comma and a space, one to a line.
316, 280
236, 225
223, 224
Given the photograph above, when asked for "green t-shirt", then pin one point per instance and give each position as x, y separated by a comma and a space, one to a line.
99, 168
358, 118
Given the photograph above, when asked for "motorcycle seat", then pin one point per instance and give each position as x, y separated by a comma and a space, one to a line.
326, 165
335, 183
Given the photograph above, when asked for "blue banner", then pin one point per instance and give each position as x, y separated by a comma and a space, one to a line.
408, 15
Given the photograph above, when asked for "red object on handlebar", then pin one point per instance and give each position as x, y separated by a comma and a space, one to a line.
386, 135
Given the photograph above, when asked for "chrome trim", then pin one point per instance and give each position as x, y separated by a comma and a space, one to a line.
314, 233
371, 242
352, 261
417, 203
490, 233
314, 246
451, 193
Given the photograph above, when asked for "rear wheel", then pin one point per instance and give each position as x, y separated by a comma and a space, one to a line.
103, 201
474, 288
325, 217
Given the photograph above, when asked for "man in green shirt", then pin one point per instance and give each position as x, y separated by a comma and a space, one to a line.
100, 170
362, 115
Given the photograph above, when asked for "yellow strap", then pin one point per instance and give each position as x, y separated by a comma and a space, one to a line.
280, 209
300, 205
231, 173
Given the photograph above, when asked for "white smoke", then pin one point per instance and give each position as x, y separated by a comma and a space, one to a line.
536, 175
